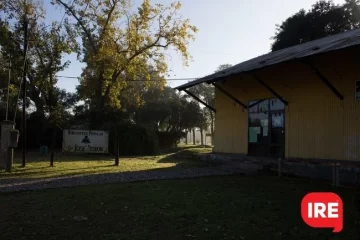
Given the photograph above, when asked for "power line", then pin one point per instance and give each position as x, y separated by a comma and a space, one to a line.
223, 53
169, 79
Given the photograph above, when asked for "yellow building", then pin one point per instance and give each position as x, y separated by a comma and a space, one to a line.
302, 102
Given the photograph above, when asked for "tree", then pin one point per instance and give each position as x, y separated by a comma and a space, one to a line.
170, 114
322, 20
223, 67
206, 92
118, 45
49, 43
203, 123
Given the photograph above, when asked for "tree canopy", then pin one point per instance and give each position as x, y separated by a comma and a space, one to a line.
47, 44
322, 20
124, 50
120, 45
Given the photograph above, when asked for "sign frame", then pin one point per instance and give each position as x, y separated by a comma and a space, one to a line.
85, 139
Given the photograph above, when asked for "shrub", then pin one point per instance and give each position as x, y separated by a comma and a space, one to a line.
135, 139
169, 139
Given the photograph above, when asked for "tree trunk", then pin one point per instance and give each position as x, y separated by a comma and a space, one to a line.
202, 136
53, 144
194, 136
97, 114
186, 136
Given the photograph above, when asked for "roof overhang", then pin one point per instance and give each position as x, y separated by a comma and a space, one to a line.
301, 51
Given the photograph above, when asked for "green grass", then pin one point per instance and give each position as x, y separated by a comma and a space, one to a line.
233, 207
76, 165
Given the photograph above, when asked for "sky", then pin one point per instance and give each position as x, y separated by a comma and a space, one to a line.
230, 31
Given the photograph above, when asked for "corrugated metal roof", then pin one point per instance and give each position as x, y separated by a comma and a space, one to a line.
322, 45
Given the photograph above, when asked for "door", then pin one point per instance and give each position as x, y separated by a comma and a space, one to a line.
266, 128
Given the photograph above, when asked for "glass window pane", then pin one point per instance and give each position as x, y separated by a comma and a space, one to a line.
263, 106
276, 104
258, 128
277, 120
255, 119
252, 109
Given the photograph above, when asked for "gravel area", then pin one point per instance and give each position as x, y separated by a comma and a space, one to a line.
15, 185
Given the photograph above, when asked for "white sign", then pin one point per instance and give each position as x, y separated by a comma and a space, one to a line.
85, 141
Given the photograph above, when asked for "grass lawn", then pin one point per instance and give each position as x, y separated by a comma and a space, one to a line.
232, 207
77, 165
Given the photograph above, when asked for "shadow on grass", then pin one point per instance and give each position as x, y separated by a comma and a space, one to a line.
22, 172
184, 157
183, 147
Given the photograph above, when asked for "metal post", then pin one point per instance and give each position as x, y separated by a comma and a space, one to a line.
334, 175
53, 145
337, 175
117, 145
24, 93
8, 89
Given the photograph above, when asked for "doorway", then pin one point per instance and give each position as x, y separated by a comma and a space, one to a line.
266, 128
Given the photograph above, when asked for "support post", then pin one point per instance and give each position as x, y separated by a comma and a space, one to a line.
270, 89
53, 145
117, 145
229, 95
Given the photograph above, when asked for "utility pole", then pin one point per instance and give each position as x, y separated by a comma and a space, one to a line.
8, 89
24, 87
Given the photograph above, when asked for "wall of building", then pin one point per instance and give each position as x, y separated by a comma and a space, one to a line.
318, 124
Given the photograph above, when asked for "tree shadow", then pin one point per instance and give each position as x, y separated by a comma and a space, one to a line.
183, 147
93, 177
185, 157
34, 157
76, 171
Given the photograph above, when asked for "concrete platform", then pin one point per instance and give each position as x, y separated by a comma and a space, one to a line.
344, 173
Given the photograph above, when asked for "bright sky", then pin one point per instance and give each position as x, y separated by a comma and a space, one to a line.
230, 31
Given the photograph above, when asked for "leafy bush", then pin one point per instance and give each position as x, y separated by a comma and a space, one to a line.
169, 139
135, 139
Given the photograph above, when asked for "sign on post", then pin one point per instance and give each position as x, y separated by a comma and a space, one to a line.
85, 141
